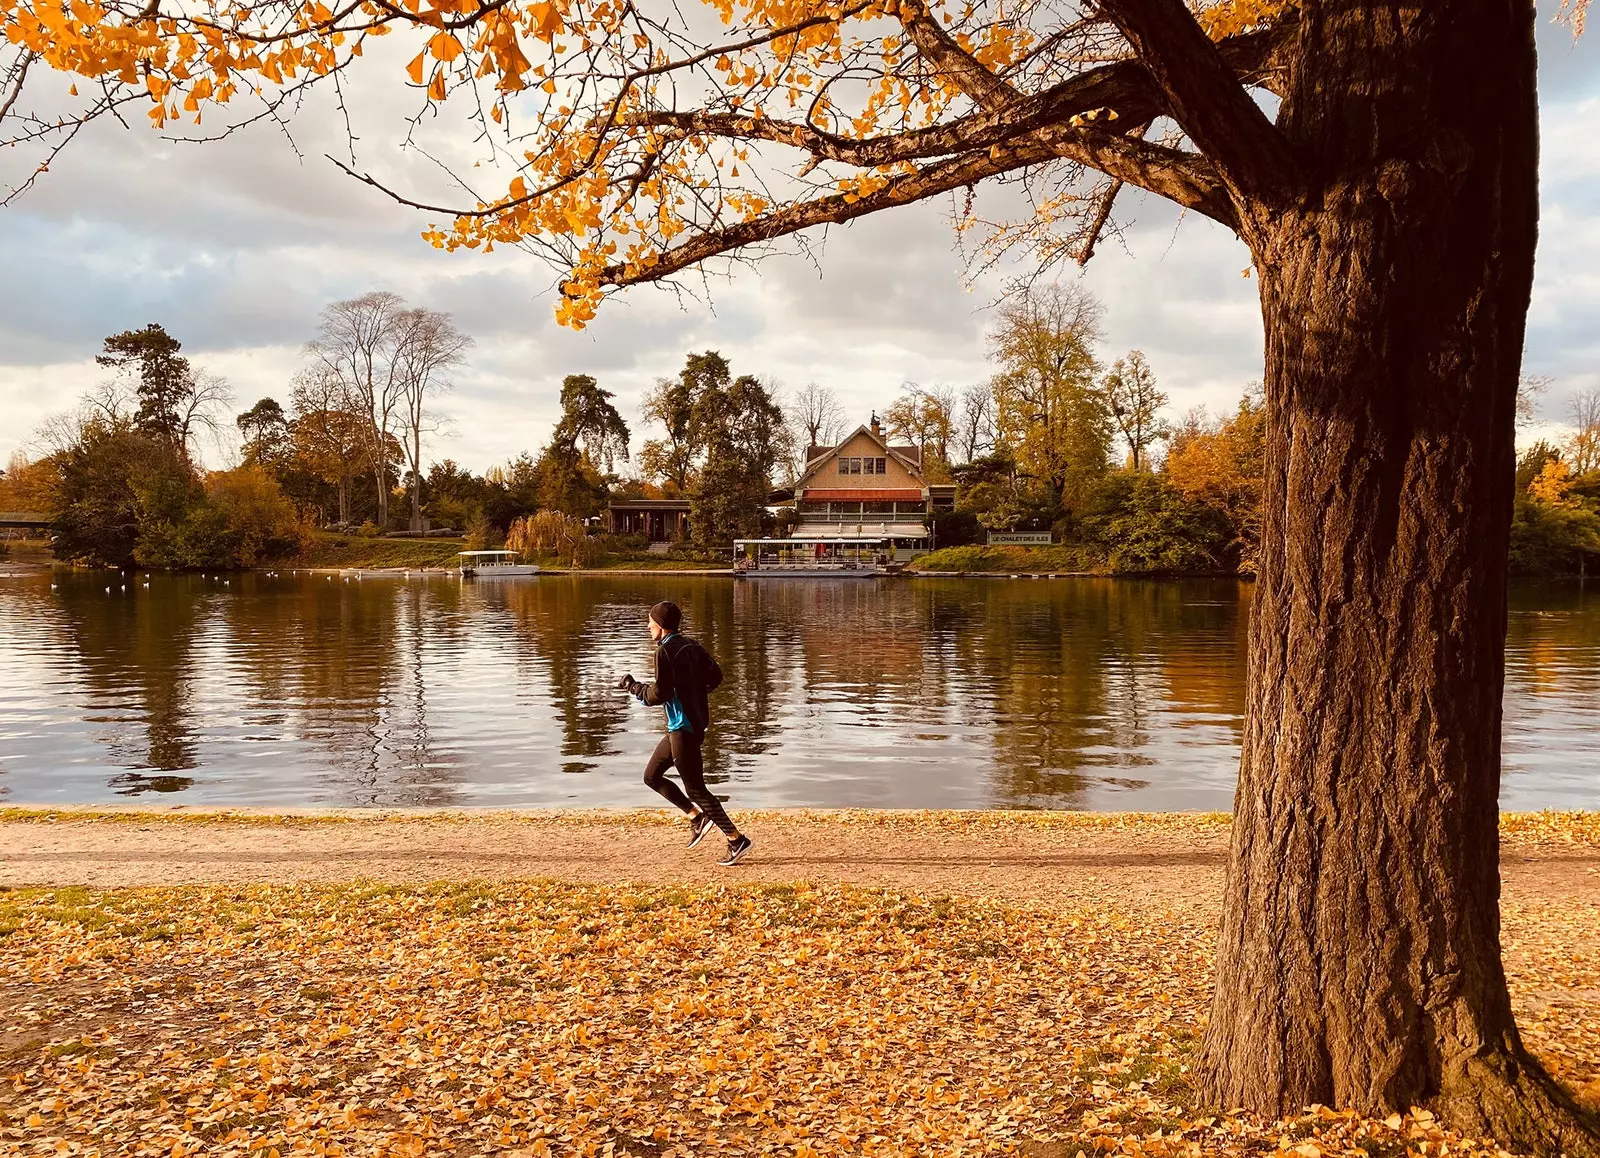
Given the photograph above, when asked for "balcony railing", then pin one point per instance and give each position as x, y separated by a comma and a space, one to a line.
902, 513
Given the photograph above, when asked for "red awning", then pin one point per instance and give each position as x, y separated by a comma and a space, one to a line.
821, 495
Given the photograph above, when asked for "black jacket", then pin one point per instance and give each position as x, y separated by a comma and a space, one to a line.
684, 669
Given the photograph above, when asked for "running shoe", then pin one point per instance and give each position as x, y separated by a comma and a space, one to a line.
736, 849
698, 827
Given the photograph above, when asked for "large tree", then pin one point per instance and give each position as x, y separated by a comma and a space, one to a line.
1378, 159
427, 348
1048, 409
818, 420
927, 420
175, 401
328, 440
265, 431
588, 439
741, 430
670, 460
1135, 402
358, 348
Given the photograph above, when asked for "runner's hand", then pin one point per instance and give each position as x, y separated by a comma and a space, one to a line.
626, 683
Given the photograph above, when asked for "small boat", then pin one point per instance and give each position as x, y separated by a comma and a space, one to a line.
821, 558
493, 565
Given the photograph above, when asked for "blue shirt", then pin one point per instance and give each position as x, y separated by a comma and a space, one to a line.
676, 720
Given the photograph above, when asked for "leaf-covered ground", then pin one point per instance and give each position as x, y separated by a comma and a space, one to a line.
537, 1018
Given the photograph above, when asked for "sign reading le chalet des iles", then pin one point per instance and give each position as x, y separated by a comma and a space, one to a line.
1021, 539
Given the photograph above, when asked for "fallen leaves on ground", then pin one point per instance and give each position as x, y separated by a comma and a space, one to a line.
538, 1018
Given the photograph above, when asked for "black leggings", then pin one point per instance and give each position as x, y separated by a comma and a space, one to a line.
681, 749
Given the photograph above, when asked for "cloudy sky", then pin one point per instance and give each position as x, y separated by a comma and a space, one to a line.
236, 246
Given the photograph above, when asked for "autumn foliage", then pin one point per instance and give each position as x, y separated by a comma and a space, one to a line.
809, 111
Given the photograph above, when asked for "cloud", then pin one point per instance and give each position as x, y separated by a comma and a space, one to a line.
236, 246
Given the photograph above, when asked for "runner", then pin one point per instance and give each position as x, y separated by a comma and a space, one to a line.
685, 673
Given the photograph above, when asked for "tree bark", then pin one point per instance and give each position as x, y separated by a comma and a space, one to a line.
1359, 962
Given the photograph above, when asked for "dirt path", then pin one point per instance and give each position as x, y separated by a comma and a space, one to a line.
1154, 864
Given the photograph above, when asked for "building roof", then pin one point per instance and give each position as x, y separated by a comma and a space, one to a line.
911, 453
909, 457
648, 505
845, 495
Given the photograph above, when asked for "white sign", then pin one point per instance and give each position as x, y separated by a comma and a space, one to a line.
1021, 539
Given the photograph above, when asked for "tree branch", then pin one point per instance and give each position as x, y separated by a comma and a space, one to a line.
1204, 96
939, 48
1124, 88
1183, 177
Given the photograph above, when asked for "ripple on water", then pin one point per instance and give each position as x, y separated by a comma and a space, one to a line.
927, 693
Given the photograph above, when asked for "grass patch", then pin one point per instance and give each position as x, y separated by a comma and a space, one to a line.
1065, 559
330, 550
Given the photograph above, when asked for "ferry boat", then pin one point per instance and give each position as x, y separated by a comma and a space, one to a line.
493, 565
832, 557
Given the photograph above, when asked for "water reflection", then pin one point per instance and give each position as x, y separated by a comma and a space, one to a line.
927, 693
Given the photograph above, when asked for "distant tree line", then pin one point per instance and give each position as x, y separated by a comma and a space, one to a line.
120, 472
1555, 523
1057, 441
1053, 440
720, 442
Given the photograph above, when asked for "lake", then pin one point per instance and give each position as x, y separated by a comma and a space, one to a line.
303, 689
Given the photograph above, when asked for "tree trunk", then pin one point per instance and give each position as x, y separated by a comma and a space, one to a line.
380, 475
416, 476
1359, 962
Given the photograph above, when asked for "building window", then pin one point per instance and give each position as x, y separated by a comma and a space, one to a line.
877, 507
812, 507
877, 466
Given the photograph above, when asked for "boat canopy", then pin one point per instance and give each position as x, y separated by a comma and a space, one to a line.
828, 541
485, 554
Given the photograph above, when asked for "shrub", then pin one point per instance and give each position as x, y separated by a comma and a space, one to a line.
1148, 527
368, 530
956, 528
259, 519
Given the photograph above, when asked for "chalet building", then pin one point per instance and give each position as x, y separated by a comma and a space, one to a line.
865, 488
659, 520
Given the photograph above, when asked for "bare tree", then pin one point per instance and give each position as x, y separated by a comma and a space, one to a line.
427, 347
200, 409
1530, 388
975, 422
1583, 448
357, 340
817, 416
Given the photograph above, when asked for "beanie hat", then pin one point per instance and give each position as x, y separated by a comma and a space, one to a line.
668, 614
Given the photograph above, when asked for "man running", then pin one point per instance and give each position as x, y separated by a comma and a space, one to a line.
685, 673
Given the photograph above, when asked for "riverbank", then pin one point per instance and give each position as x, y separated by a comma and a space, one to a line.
868, 983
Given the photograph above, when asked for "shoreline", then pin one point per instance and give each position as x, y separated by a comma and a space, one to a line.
1149, 862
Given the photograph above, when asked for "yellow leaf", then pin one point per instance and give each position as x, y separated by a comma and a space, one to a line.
414, 69
445, 47
436, 87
